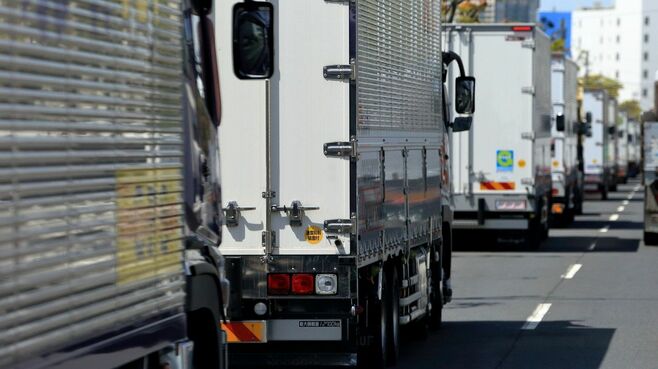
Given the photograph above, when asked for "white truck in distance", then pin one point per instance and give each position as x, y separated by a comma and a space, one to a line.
598, 151
501, 176
334, 174
567, 191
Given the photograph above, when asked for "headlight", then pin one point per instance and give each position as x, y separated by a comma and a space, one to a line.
326, 284
511, 204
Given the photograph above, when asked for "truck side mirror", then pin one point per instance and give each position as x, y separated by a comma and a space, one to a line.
588, 117
465, 95
462, 124
559, 122
612, 130
253, 40
588, 129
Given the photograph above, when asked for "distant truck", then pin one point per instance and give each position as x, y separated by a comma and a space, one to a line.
108, 185
634, 147
650, 179
598, 150
622, 148
501, 169
567, 191
336, 163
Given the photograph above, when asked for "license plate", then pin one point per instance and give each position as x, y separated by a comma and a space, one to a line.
245, 332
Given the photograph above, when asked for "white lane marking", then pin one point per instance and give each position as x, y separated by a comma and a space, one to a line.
604, 229
614, 217
637, 188
571, 272
630, 197
620, 209
626, 202
533, 320
592, 246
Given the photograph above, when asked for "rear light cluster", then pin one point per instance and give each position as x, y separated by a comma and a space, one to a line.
302, 284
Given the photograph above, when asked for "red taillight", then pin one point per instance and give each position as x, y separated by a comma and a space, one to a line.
522, 28
303, 284
278, 284
556, 192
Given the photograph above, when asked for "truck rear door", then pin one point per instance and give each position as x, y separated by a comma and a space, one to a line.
307, 110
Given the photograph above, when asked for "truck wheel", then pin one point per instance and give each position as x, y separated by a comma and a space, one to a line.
394, 317
604, 193
650, 239
436, 314
376, 352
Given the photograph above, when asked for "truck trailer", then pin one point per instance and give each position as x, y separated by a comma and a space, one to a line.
108, 178
501, 169
334, 168
567, 192
622, 148
599, 145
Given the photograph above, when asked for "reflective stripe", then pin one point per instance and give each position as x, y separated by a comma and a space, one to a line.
497, 186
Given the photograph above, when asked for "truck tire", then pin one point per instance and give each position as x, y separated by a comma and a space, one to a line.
436, 297
394, 316
650, 239
375, 354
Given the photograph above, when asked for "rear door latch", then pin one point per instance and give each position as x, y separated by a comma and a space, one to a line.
233, 213
295, 212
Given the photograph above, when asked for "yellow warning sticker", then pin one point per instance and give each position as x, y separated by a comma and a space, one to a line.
313, 234
522, 163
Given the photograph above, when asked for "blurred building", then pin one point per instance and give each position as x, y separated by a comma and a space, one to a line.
500, 11
557, 25
621, 42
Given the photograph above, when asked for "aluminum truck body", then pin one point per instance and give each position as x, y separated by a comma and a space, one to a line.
567, 187
622, 148
501, 175
100, 125
599, 145
331, 186
650, 179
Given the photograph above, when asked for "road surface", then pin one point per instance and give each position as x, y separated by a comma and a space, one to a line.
587, 299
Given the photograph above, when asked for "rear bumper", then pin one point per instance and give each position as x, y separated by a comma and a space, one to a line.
244, 357
480, 213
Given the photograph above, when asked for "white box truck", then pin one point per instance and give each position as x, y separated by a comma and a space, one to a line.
501, 175
634, 147
567, 192
334, 171
650, 179
599, 144
108, 179
623, 159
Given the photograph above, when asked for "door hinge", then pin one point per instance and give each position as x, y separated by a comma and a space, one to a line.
530, 90
341, 149
528, 135
341, 226
340, 72
529, 44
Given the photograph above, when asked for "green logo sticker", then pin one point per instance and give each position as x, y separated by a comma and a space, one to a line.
505, 161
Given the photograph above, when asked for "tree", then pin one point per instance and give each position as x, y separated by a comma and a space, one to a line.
600, 82
449, 9
466, 11
632, 108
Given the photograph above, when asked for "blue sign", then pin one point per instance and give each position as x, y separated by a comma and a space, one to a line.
505, 161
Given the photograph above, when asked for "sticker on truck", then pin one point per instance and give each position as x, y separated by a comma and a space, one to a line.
505, 161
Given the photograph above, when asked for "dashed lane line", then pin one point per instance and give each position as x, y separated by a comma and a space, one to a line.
605, 229
621, 209
533, 320
626, 202
571, 272
614, 217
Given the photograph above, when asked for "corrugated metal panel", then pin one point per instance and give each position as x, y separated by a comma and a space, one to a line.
399, 64
90, 158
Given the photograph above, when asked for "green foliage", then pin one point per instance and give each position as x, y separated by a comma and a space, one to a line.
599, 82
632, 108
558, 46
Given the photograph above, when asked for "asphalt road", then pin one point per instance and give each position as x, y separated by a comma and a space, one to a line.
588, 298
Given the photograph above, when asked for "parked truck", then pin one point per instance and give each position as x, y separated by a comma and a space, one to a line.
336, 234
634, 147
598, 152
567, 191
109, 178
501, 169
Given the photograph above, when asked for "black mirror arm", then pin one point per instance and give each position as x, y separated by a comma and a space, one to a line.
209, 68
449, 57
